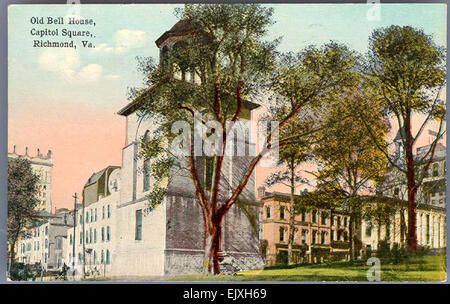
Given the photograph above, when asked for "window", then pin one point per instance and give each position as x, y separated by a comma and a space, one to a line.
314, 237
103, 234
332, 235
90, 235
369, 230
103, 257
339, 221
209, 163
282, 215
267, 212
103, 212
345, 222
304, 236
427, 229
109, 211
108, 235
59, 243
92, 216
87, 237
435, 169
138, 232
282, 234
46, 243
304, 217
71, 239
323, 237
314, 214
108, 258
95, 214
324, 218
95, 235
81, 237
146, 166
81, 219
87, 216
46, 230
95, 257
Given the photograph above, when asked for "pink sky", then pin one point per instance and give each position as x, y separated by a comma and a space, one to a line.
83, 140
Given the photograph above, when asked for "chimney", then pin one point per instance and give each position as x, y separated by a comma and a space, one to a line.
14, 149
261, 192
38, 152
49, 154
26, 150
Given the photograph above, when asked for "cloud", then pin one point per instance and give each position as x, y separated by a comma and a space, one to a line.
111, 76
63, 61
91, 72
123, 41
66, 63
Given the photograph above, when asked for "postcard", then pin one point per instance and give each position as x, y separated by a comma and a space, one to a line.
227, 142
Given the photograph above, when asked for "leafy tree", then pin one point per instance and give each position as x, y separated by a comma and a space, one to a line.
349, 164
293, 153
407, 71
22, 200
231, 61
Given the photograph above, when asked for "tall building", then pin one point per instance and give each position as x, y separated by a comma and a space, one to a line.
42, 166
170, 239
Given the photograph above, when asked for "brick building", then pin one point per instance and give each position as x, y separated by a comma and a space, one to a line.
317, 237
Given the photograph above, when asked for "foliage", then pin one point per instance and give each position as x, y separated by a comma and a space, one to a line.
406, 71
22, 200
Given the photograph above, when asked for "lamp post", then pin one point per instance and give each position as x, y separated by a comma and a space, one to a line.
75, 196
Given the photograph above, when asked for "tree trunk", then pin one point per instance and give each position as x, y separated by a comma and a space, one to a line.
412, 229
213, 246
352, 237
412, 189
12, 255
291, 218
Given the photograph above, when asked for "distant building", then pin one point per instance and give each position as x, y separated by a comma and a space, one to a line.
45, 243
431, 202
317, 237
42, 166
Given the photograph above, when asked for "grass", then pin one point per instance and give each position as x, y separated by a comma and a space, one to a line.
429, 268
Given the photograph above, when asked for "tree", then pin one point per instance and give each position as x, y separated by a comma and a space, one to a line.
349, 164
294, 152
22, 200
407, 71
231, 62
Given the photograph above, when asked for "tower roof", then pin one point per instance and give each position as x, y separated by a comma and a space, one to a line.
181, 28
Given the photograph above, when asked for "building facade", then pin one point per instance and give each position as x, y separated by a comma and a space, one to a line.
42, 166
431, 203
91, 242
319, 234
45, 243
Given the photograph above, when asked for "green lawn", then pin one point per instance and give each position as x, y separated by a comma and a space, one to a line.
430, 268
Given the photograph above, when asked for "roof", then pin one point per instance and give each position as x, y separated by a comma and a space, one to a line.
96, 176
181, 28
133, 106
